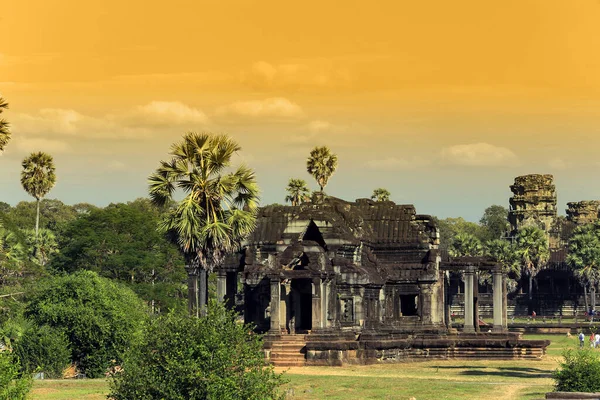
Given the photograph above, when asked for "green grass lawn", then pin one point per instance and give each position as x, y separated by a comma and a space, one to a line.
455, 379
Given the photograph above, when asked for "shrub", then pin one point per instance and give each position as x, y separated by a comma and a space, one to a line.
579, 372
13, 386
44, 348
101, 318
189, 358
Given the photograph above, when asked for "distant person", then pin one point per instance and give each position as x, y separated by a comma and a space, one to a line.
592, 340
597, 340
581, 339
533, 314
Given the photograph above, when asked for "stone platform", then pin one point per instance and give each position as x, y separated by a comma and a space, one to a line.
369, 348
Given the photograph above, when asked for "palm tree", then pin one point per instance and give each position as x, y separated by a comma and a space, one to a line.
218, 209
42, 246
466, 245
298, 191
584, 258
38, 178
380, 194
504, 253
532, 249
321, 164
4, 131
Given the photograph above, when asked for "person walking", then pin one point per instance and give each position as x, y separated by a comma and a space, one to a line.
581, 339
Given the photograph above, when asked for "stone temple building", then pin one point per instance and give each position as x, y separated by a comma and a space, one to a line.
533, 202
334, 282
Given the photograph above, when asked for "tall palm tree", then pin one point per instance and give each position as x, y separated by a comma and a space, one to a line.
4, 131
584, 258
503, 251
466, 245
38, 178
380, 194
532, 249
321, 164
218, 209
298, 191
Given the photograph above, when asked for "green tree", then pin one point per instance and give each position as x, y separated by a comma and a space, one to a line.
466, 245
584, 258
54, 214
4, 126
38, 178
101, 318
380, 194
494, 222
321, 164
451, 227
298, 191
13, 254
42, 247
532, 249
579, 372
44, 349
121, 242
183, 358
13, 384
218, 209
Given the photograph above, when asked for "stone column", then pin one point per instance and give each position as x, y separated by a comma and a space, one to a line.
316, 303
285, 310
469, 323
275, 299
221, 286
498, 299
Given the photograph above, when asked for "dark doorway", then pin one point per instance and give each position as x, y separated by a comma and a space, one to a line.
301, 309
408, 305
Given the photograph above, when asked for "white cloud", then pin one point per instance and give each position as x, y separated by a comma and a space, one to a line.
319, 126
478, 155
55, 120
313, 73
558, 163
393, 163
274, 107
32, 144
165, 113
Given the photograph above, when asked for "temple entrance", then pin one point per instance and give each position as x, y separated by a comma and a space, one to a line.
300, 309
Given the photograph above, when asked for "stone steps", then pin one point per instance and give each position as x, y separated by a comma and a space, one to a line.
288, 351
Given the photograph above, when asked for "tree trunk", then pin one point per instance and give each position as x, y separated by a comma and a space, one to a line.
593, 296
37, 219
192, 291
585, 298
530, 286
202, 291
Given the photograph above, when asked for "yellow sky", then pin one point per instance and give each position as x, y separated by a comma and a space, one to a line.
442, 102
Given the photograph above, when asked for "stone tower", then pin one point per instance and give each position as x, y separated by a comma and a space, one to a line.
583, 212
533, 202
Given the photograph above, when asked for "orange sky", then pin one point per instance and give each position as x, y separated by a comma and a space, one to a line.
441, 102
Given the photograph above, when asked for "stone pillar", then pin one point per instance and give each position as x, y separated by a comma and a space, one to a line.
469, 323
316, 303
285, 310
275, 299
221, 286
497, 301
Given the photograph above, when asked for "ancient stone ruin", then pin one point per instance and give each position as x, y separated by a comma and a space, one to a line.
334, 282
583, 212
533, 202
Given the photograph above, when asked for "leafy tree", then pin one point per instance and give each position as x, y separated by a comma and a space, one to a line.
4, 126
380, 194
44, 349
13, 384
298, 191
121, 242
579, 372
54, 214
13, 254
452, 227
38, 178
321, 164
217, 212
494, 222
101, 318
183, 358
465, 244
42, 248
584, 258
532, 249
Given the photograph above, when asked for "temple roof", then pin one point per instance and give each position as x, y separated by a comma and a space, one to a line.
367, 221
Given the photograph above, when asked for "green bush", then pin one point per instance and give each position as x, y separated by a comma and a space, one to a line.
45, 349
183, 358
13, 386
101, 318
579, 372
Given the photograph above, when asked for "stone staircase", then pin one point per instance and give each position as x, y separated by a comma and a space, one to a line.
289, 351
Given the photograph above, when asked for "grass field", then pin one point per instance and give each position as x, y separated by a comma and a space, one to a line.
421, 380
